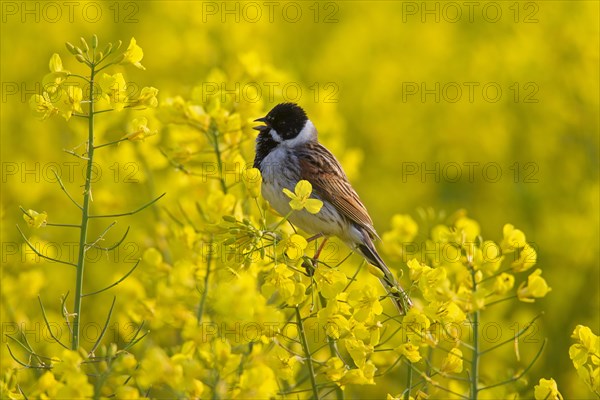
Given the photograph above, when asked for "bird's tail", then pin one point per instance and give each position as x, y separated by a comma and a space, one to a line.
395, 291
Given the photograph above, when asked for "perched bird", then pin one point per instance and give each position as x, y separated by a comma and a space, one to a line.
287, 151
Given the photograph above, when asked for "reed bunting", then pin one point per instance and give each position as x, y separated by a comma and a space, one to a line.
287, 151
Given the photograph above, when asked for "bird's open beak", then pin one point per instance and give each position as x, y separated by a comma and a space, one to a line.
261, 127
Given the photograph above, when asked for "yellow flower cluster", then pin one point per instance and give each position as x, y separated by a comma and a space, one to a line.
63, 91
585, 355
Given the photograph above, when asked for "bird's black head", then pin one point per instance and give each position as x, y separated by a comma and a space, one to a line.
287, 119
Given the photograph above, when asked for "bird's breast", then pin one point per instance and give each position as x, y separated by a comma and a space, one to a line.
280, 170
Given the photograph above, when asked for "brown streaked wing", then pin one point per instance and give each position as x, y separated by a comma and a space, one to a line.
324, 172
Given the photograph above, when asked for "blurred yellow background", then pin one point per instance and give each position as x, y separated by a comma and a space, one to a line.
491, 107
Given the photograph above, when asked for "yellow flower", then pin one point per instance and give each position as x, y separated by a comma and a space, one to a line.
332, 321
133, 55
47, 382
467, 229
547, 390
41, 106
585, 355
358, 350
146, 99
285, 363
35, 219
139, 130
299, 294
218, 204
369, 331
69, 101
57, 75
527, 259
301, 200
503, 283
127, 392
294, 246
416, 324
330, 281
536, 287
335, 369
415, 269
365, 303
253, 181
410, 351
441, 234
405, 225
69, 371
513, 239
448, 312
113, 89
55, 63
258, 382
404, 230
279, 280
75, 97
156, 367
360, 376
491, 257
453, 361
433, 283
586, 337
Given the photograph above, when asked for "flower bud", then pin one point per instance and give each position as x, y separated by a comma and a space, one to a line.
73, 49
108, 49
80, 58
70, 47
94, 41
112, 350
98, 56
84, 44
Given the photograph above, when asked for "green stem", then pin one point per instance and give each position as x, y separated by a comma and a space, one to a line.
84, 218
215, 134
283, 221
339, 392
475, 359
408, 382
110, 143
206, 278
311, 371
